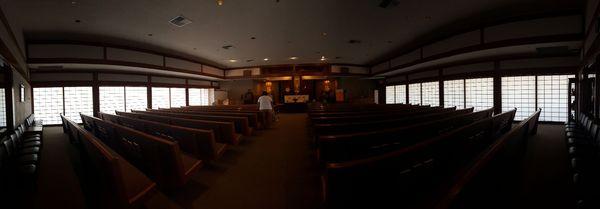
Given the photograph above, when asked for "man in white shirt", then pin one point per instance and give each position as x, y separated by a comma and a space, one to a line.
265, 104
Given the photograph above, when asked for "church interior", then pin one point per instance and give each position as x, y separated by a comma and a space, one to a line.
312, 104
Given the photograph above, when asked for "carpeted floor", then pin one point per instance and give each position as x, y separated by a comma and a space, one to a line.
546, 178
276, 170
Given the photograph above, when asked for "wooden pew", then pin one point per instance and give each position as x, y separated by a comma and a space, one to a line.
399, 177
252, 117
159, 158
353, 127
224, 131
376, 116
262, 118
120, 184
490, 175
343, 147
241, 123
198, 142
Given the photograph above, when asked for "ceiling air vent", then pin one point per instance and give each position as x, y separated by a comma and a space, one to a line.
180, 21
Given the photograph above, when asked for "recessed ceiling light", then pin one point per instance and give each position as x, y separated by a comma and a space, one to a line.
323, 58
219, 2
266, 59
293, 58
232, 60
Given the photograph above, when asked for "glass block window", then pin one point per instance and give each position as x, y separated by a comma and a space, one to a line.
48, 104
177, 97
112, 98
414, 93
2, 108
136, 98
519, 92
390, 95
78, 100
211, 96
431, 93
479, 93
160, 98
195, 96
552, 94
198, 96
454, 94
400, 94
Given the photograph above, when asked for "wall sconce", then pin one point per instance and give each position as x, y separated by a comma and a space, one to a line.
327, 85
269, 86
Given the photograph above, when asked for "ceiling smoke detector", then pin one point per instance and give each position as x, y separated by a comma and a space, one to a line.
180, 21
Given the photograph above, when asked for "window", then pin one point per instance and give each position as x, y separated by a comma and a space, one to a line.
211, 96
177, 97
2, 108
400, 92
390, 95
136, 98
78, 100
552, 94
431, 93
195, 96
454, 94
160, 97
519, 92
414, 93
48, 104
112, 98
198, 96
479, 93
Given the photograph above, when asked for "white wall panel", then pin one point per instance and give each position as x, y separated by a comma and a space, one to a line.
351, 69
65, 51
426, 74
122, 77
62, 77
168, 80
240, 72
452, 43
406, 58
532, 28
540, 63
182, 64
380, 67
133, 56
199, 82
396, 79
212, 70
477, 67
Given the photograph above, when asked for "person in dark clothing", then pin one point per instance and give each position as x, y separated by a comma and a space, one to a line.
248, 97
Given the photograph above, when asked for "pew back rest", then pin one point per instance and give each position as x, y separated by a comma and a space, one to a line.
503, 122
533, 122
201, 143
223, 131
122, 184
158, 158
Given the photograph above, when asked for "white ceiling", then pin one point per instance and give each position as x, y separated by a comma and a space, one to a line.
284, 29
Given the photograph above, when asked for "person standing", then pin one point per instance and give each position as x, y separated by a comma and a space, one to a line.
265, 105
248, 97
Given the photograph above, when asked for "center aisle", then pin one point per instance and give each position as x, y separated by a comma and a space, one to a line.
273, 170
